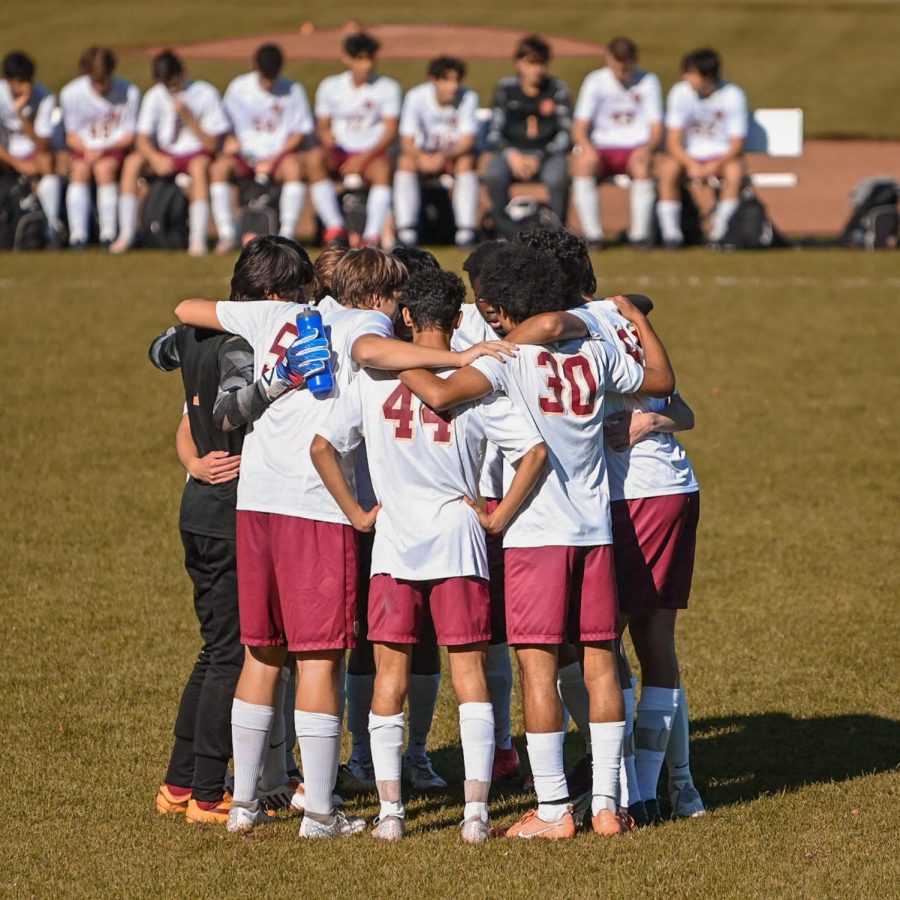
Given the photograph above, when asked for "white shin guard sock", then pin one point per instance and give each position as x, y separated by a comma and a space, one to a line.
250, 725
465, 201
606, 739
545, 753
655, 713
319, 735
359, 705
586, 201
476, 732
642, 195
128, 209
669, 213
499, 675
721, 217
107, 209
324, 200
274, 772
49, 191
423, 694
574, 695
223, 216
78, 211
378, 206
678, 751
628, 787
198, 223
386, 737
407, 201
293, 194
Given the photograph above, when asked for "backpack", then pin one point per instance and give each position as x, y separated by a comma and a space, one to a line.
875, 222
353, 207
23, 225
691, 227
437, 224
258, 212
750, 227
164, 217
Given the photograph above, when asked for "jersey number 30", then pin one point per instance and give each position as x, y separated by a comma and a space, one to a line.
577, 374
398, 409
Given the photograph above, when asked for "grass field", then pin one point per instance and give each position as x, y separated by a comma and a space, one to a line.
790, 651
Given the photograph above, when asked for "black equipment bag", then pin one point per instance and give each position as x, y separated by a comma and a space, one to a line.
750, 227
258, 212
164, 217
875, 222
23, 225
437, 224
691, 227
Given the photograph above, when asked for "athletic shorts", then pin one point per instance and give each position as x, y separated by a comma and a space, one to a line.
460, 608
181, 163
115, 153
558, 594
614, 160
243, 169
297, 581
495, 570
654, 539
337, 156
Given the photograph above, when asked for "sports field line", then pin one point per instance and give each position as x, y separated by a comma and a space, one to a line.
748, 281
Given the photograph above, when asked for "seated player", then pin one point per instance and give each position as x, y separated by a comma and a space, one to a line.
26, 130
358, 114
178, 131
437, 136
429, 547
99, 114
616, 128
706, 126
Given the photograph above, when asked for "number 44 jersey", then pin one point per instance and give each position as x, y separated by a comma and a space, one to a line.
422, 464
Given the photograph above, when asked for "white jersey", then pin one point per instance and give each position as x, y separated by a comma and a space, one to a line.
562, 387
12, 135
709, 123
422, 464
277, 475
357, 113
435, 127
621, 117
101, 121
263, 121
159, 120
657, 465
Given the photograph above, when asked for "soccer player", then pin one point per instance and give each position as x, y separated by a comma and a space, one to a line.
358, 115
437, 134
559, 562
706, 125
179, 127
617, 126
429, 544
100, 117
26, 129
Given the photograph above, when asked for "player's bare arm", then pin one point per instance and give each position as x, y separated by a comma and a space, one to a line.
624, 429
325, 459
545, 328
378, 352
659, 376
675, 149
217, 467
356, 164
210, 141
159, 162
735, 151
324, 132
199, 313
583, 145
443, 393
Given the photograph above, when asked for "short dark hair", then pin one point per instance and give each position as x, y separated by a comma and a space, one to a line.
622, 49
522, 282
533, 46
97, 62
705, 62
269, 60
273, 264
364, 274
18, 65
166, 67
415, 258
571, 254
475, 261
434, 298
360, 44
442, 65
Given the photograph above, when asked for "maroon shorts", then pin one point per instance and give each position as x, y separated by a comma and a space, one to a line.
297, 582
243, 169
181, 163
496, 572
460, 608
614, 161
558, 594
337, 156
116, 153
654, 540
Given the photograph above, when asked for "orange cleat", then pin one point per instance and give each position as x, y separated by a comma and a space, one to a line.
530, 826
608, 823
208, 813
506, 764
171, 799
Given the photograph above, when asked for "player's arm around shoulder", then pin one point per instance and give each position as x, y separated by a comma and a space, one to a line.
378, 351
546, 328
163, 352
199, 313
658, 375
462, 386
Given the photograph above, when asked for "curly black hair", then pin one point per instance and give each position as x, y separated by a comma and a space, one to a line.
571, 254
476, 259
414, 258
361, 44
522, 281
434, 298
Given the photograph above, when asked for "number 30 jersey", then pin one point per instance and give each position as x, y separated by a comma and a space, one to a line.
422, 464
561, 388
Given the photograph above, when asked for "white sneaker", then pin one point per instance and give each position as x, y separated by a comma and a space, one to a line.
420, 774
407, 236
686, 802
243, 818
340, 826
475, 830
465, 237
361, 771
389, 828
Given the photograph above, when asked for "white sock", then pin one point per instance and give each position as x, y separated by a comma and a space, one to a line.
198, 222
359, 705
545, 753
587, 204
642, 195
628, 788
274, 772
378, 206
319, 735
128, 209
678, 751
107, 204
721, 217
476, 733
386, 736
250, 724
498, 671
669, 214
78, 211
223, 216
293, 193
606, 739
574, 695
465, 201
407, 200
49, 191
324, 199
423, 694
655, 713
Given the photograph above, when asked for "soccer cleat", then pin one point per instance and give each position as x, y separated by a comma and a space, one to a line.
208, 813
340, 826
407, 237
389, 828
638, 813
475, 830
686, 801
420, 774
169, 802
672, 246
358, 774
532, 826
609, 823
281, 797
653, 814
244, 817
336, 236
506, 764
465, 237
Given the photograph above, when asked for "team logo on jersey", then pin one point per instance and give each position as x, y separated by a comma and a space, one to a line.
279, 347
547, 106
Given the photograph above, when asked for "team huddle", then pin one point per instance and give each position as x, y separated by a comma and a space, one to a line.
362, 131
416, 472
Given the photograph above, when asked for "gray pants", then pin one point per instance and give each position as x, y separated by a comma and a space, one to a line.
554, 173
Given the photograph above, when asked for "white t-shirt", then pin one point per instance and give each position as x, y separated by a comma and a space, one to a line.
562, 388
422, 464
158, 119
12, 136
277, 475
621, 117
657, 465
263, 121
437, 127
357, 113
709, 123
100, 121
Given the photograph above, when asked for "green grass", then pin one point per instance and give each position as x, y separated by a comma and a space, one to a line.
834, 58
790, 649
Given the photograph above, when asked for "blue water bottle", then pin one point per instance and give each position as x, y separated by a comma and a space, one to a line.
309, 324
